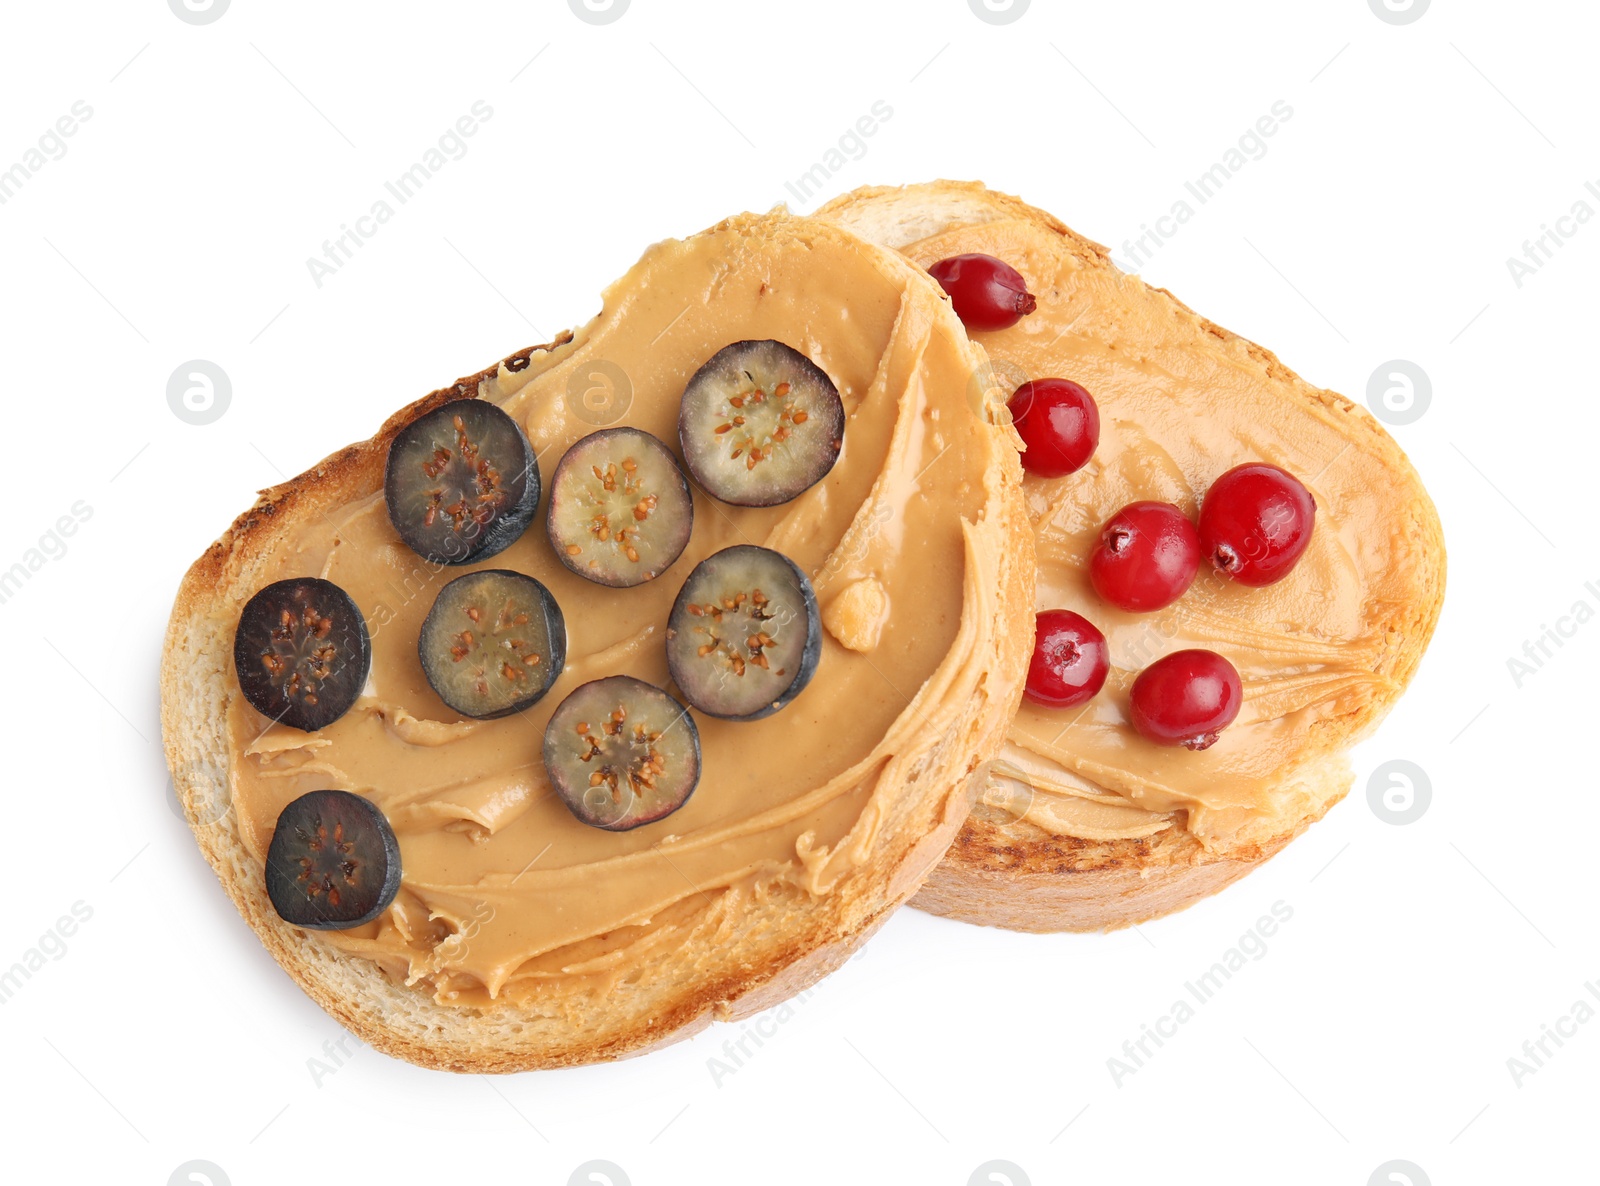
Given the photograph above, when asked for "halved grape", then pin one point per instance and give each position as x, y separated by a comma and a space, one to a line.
333, 863
621, 753
493, 643
302, 652
760, 423
461, 483
745, 636
620, 511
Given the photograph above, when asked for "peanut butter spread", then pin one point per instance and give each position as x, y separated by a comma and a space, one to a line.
1178, 409
503, 888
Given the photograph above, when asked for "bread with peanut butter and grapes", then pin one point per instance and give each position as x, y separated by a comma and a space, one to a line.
1238, 575
625, 685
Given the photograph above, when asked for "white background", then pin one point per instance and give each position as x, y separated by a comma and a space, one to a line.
1377, 226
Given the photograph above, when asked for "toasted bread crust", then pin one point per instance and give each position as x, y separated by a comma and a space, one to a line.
739, 958
1006, 873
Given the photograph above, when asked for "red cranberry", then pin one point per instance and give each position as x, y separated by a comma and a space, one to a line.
987, 293
1070, 660
1255, 523
1147, 557
1186, 698
1059, 422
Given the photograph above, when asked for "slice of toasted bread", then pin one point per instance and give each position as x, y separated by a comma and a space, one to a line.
729, 943
1127, 847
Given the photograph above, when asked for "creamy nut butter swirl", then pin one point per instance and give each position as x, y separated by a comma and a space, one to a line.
503, 888
1175, 414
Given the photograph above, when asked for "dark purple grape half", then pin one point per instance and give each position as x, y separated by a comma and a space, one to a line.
333, 863
302, 652
461, 483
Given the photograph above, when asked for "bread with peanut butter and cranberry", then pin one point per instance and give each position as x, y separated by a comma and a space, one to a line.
628, 684
1238, 575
